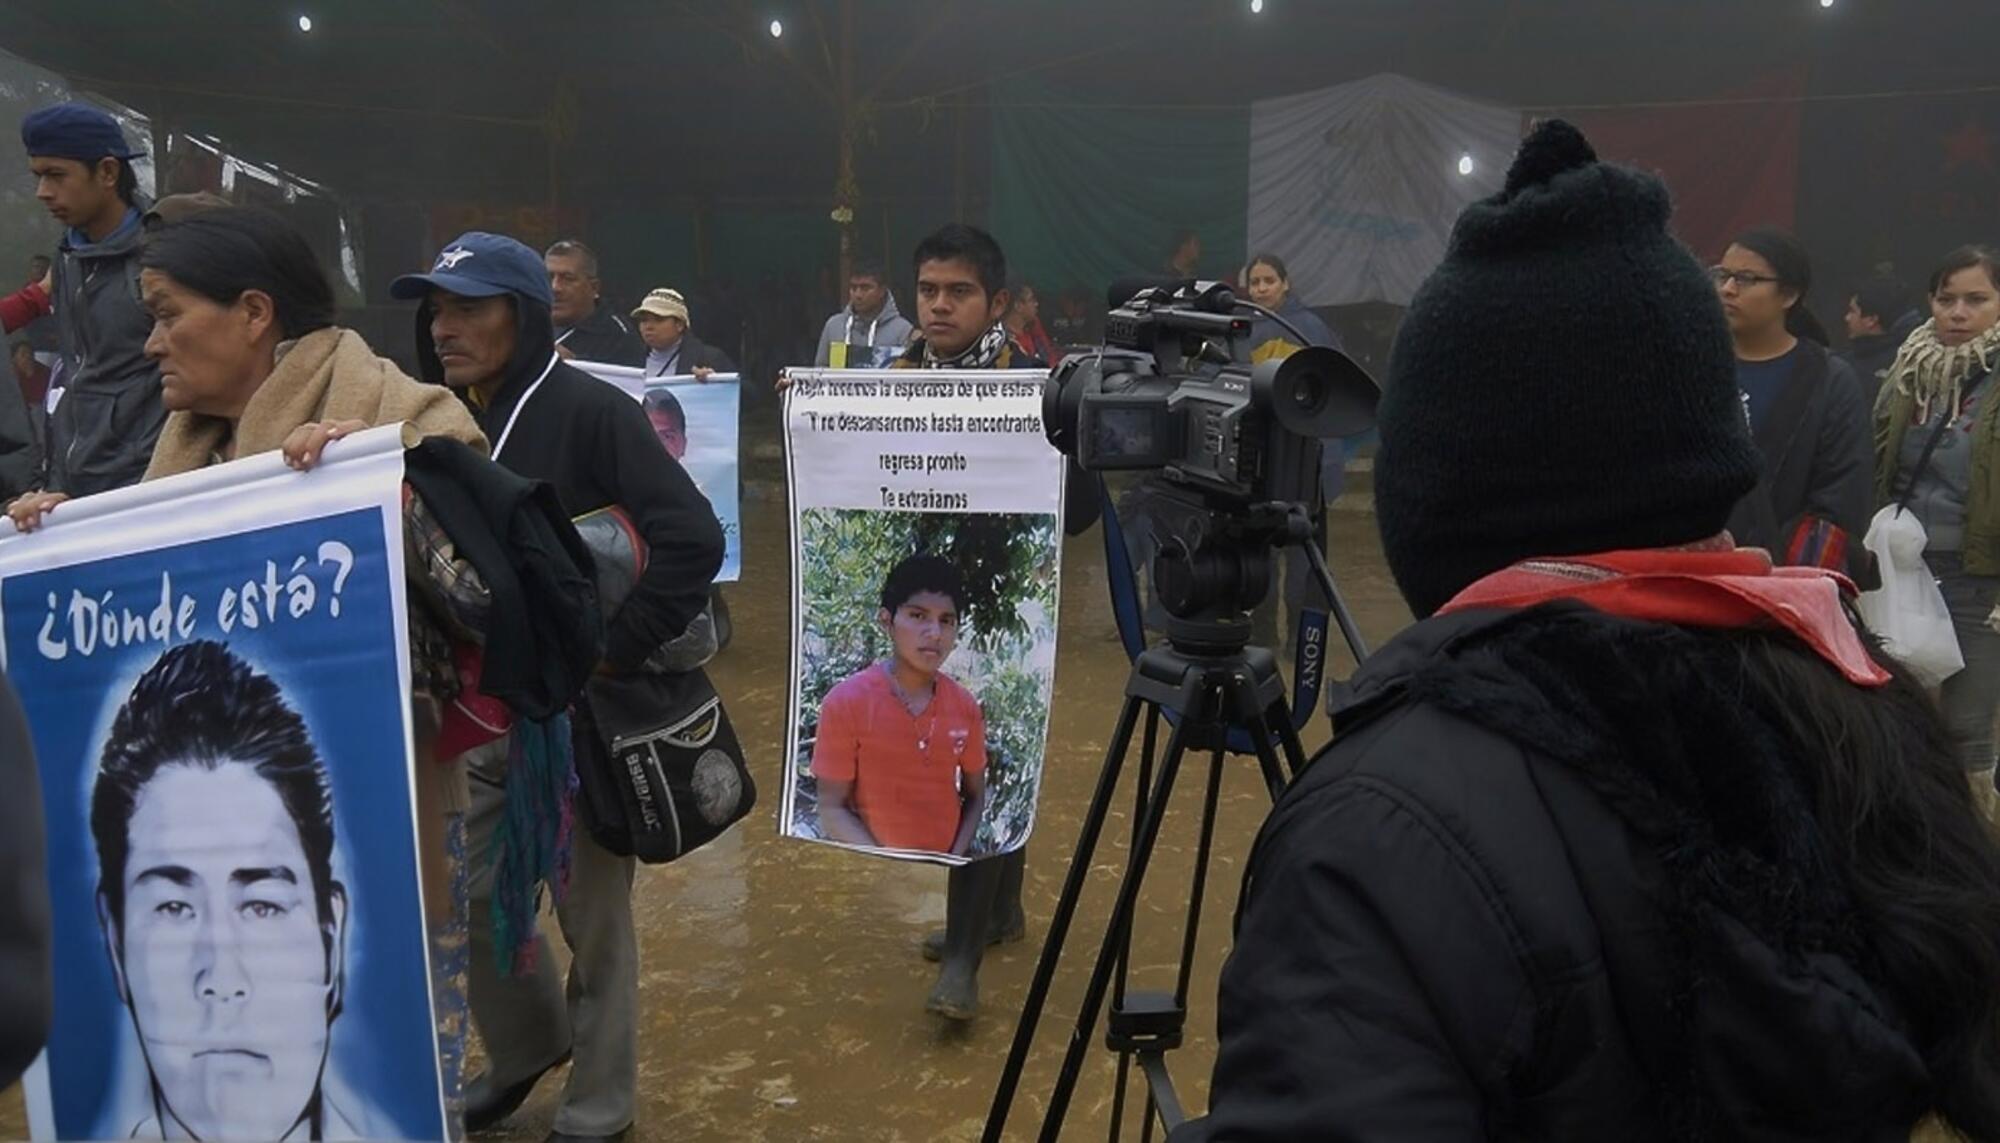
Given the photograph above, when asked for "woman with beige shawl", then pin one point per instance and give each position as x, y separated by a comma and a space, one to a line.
250, 361
1937, 451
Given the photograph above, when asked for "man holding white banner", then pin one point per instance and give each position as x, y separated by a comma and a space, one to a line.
671, 347
673, 350
961, 275
961, 301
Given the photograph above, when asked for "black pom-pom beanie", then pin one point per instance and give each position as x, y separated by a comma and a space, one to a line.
1563, 384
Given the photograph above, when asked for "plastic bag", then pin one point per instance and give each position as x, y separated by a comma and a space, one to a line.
1908, 610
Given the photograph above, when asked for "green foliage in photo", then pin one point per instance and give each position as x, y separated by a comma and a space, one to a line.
1008, 563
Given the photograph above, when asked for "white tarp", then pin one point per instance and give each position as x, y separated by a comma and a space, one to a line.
1356, 186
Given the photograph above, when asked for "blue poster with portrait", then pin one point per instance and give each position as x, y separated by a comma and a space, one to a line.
697, 421
222, 730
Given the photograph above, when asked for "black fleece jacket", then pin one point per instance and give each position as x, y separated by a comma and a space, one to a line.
606, 337
1557, 878
594, 444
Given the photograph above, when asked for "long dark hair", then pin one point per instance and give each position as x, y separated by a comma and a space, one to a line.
1819, 816
1794, 270
128, 183
222, 253
1923, 873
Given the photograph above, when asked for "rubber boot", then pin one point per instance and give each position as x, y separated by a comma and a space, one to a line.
968, 909
1009, 922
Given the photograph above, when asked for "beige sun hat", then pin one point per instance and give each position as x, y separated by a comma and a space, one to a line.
665, 303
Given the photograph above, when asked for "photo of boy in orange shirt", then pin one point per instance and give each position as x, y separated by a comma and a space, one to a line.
900, 754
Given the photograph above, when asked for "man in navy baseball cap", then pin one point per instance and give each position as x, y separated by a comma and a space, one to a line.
102, 429
480, 265
483, 327
478, 298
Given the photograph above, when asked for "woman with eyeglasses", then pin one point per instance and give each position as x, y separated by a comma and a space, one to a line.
1807, 410
1939, 389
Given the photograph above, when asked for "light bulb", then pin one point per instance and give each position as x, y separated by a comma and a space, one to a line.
305, 23
777, 28
1465, 164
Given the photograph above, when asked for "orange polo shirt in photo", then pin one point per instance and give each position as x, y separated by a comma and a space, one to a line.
904, 767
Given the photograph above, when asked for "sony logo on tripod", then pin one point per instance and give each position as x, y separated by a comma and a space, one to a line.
1311, 657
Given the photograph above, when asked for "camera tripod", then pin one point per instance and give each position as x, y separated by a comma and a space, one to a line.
1215, 686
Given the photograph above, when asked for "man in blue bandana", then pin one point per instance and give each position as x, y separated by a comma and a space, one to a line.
102, 431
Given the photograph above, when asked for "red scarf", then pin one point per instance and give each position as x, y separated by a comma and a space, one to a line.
1714, 584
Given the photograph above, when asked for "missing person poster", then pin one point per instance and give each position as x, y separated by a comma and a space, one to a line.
215, 673
696, 419
925, 569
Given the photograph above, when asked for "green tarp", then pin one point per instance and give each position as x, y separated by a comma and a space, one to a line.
1083, 196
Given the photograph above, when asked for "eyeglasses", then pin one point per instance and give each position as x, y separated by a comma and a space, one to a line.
1744, 279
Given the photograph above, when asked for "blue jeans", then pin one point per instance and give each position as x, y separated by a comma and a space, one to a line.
1971, 698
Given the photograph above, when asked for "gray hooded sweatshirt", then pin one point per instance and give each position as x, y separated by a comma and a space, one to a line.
888, 330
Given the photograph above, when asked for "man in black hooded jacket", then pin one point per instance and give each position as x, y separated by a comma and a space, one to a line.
483, 328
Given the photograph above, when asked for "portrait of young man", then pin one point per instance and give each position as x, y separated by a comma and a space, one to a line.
669, 421
900, 756
213, 822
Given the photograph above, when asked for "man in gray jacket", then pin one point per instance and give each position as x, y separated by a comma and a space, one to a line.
102, 431
869, 333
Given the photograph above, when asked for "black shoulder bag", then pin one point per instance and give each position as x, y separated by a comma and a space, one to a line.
668, 773
1924, 459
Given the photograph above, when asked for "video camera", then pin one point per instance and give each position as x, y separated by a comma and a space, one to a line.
1231, 450
1173, 391
1233, 447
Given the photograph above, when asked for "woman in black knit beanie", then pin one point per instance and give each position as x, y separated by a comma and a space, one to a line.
1633, 837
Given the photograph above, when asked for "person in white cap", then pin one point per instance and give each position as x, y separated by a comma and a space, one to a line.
672, 351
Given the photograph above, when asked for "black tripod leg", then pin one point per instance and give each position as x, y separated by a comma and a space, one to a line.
1192, 934
1121, 917
1148, 750
1118, 1096
1045, 967
1280, 722
1160, 1089
1345, 618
